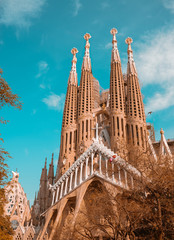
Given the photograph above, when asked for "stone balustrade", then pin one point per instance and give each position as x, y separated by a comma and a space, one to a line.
95, 162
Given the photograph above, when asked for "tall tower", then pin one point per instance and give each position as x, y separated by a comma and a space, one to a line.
117, 99
85, 101
51, 171
43, 188
69, 125
136, 122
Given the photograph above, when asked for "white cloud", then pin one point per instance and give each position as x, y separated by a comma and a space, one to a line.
155, 58
161, 101
43, 69
42, 86
34, 111
155, 64
108, 45
105, 5
26, 151
77, 5
169, 4
19, 13
54, 101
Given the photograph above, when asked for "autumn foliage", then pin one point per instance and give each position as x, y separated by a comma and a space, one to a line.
9, 99
146, 212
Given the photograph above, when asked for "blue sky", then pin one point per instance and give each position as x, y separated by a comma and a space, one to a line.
36, 37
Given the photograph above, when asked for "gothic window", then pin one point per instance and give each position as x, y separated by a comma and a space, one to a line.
118, 127
137, 135
122, 127
113, 126
132, 133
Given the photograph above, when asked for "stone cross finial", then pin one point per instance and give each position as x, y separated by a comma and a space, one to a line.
131, 64
129, 41
73, 74
87, 36
114, 32
96, 133
74, 51
86, 60
115, 54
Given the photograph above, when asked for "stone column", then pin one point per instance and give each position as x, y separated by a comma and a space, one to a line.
61, 190
132, 182
113, 178
86, 169
125, 175
76, 170
57, 195
100, 172
53, 197
119, 175
81, 169
106, 164
70, 184
92, 167
66, 185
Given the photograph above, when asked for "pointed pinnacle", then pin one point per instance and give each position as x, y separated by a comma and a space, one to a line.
86, 60
114, 32
129, 41
74, 51
52, 158
87, 36
45, 162
115, 54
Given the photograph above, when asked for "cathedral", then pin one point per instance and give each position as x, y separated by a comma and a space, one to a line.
101, 133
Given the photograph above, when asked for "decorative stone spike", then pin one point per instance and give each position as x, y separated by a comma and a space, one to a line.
115, 54
86, 60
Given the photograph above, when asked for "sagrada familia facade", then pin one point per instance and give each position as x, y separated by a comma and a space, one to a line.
101, 133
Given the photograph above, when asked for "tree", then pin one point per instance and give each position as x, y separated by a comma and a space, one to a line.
146, 212
152, 204
9, 99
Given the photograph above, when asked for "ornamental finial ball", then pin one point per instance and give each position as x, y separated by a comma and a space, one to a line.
74, 51
87, 36
128, 40
162, 132
113, 31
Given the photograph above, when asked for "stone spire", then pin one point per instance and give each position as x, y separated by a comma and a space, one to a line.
44, 171
85, 101
131, 68
136, 127
43, 188
86, 59
117, 97
35, 198
51, 171
115, 54
69, 124
73, 74
164, 147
